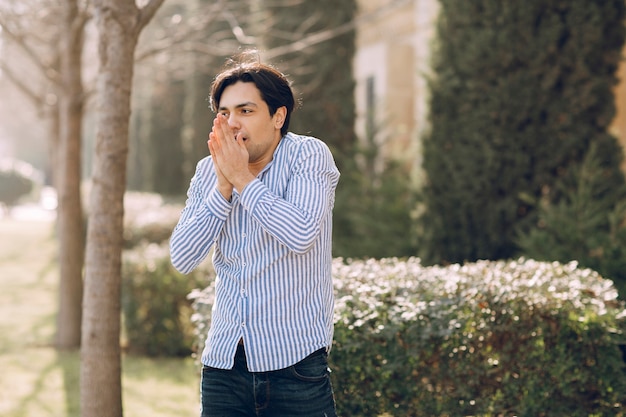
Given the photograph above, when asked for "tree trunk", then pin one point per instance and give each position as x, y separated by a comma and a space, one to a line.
119, 23
70, 213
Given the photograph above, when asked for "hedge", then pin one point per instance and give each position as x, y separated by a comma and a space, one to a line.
17, 179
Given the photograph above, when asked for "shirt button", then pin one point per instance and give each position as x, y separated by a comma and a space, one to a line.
243, 235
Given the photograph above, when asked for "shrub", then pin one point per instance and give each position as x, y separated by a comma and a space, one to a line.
17, 179
490, 338
521, 338
156, 309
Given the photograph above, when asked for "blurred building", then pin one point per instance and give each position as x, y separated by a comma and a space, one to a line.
392, 58
618, 128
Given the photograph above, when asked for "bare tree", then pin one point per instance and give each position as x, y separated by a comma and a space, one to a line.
54, 51
119, 24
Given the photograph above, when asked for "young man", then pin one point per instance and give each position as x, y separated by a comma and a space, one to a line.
264, 201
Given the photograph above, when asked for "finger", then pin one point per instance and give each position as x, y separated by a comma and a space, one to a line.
226, 131
212, 142
216, 129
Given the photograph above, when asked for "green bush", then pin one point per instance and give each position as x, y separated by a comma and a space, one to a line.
490, 338
155, 304
521, 338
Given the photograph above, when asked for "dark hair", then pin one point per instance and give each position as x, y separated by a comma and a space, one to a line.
274, 87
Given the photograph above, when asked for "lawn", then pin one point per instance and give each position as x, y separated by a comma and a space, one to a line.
38, 381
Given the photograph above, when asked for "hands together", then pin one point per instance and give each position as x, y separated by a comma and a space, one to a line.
230, 157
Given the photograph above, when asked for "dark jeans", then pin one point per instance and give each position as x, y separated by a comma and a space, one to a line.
302, 390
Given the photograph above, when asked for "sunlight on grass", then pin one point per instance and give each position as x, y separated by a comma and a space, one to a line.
38, 381
160, 387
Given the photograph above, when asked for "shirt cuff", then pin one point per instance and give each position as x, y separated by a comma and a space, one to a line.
218, 205
252, 194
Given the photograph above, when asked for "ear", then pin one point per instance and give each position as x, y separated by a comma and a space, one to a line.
279, 117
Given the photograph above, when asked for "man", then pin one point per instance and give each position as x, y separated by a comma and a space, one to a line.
263, 200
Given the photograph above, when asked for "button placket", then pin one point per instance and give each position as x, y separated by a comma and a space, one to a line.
243, 277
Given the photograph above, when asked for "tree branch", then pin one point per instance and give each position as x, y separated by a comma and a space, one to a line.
50, 73
235, 27
28, 92
147, 12
180, 36
328, 34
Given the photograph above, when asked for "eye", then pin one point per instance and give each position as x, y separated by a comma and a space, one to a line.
246, 111
225, 114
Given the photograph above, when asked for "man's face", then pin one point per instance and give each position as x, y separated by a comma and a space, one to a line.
249, 115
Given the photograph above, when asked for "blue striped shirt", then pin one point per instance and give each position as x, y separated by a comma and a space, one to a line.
272, 255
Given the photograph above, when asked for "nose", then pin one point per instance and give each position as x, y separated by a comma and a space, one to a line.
232, 121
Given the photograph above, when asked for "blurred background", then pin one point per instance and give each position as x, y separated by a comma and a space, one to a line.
464, 131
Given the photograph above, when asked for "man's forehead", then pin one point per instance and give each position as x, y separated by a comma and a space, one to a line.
240, 94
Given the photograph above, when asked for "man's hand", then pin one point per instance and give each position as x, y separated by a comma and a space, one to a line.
223, 186
230, 157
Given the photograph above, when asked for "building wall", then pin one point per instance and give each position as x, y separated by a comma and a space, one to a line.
390, 66
618, 127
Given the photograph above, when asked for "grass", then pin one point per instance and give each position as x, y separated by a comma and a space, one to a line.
37, 380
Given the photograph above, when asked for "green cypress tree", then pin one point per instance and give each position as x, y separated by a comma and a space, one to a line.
588, 224
521, 91
373, 206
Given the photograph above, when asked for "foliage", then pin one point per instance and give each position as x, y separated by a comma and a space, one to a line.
156, 310
521, 338
522, 90
478, 339
588, 224
17, 179
372, 214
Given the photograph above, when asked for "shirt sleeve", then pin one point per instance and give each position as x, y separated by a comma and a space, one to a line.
295, 218
201, 221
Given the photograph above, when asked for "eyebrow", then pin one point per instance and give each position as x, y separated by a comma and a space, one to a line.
238, 106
